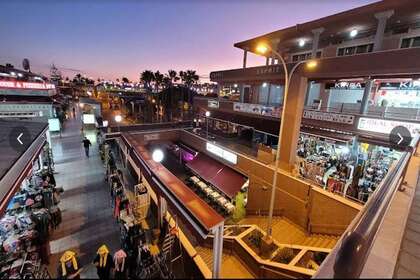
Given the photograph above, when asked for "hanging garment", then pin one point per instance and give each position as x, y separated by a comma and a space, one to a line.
103, 262
68, 265
119, 263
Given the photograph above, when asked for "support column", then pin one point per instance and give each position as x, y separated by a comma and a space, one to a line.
268, 94
245, 58
380, 30
324, 96
366, 95
272, 61
241, 92
315, 41
291, 120
267, 61
217, 250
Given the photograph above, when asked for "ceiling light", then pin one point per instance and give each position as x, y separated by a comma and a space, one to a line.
301, 43
353, 33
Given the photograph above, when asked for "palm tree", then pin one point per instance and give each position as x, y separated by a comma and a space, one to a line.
125, 80
173, 75
147, 77
158, 80
189, 78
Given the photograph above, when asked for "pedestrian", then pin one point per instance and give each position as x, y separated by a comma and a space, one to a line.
86, 145
74, 112
68, 267
103, 262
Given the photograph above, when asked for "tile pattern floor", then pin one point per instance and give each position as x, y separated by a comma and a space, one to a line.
85, 203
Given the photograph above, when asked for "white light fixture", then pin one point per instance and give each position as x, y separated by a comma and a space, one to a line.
105, 123
264, 84
301, 43
13, 73
207, 113
20, 75
235, 85
157, 155
118, 118
353, 33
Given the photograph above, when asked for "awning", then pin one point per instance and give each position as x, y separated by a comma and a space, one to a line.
224, 178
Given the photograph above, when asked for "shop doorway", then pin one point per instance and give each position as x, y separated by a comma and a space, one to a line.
247, 94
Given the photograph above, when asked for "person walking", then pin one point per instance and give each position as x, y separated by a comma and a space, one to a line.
86, 145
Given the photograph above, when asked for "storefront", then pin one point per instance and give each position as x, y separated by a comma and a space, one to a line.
353, 170
29, 211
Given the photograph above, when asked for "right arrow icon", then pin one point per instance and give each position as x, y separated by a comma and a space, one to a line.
401, 138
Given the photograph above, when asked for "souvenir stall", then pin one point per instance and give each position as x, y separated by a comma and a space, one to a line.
136, 241
325, 162
25, 228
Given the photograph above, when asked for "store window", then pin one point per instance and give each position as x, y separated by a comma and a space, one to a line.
411, 42
366, 48
304, 56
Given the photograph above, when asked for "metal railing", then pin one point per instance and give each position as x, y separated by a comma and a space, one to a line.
348, 258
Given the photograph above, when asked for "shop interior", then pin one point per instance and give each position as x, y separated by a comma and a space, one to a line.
353, 170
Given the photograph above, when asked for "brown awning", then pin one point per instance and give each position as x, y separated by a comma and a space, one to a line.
224, 178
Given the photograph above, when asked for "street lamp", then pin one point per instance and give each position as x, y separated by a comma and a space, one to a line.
207, 123
263, 48
118, 119
157, 155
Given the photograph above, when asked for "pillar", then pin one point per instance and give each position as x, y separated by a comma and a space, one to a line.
272, 60
380, 30
217, 250
324, 96
267, 61
315, 41
293, 105
241, 91
245, 58
268, 94
366, 94
354, 148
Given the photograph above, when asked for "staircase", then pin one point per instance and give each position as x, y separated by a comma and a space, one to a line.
286, 232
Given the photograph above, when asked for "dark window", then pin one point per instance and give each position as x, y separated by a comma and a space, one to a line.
318, 54
416, 42
370, 48
295, 58
405, 43
349, 51
361, 49
340, 52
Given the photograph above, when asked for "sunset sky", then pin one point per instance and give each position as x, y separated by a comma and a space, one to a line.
111, 39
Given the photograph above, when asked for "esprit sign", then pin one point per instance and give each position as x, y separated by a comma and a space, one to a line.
329, 117
25, 85
385, 126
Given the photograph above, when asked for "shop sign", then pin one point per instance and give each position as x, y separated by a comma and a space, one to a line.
401, 85
25, 85
345, 85
222, 153
329, 117
257, 109
150, 137
213, 103
385, 126
216, 75
88, 118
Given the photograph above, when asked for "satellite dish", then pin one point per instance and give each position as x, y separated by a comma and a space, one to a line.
25, 64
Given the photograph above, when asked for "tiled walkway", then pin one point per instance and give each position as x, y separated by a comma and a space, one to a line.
85, 203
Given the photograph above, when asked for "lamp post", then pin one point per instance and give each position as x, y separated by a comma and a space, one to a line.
118, 119
263, 48
207, 123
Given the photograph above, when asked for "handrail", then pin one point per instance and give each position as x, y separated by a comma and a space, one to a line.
348, 258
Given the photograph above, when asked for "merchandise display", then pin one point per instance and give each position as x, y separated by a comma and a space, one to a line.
339, 168
26, 226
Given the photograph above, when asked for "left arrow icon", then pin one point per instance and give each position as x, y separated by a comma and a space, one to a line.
18, 138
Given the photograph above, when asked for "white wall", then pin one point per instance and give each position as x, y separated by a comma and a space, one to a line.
345, 96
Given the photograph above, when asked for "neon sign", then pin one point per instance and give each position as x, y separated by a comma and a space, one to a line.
25, 85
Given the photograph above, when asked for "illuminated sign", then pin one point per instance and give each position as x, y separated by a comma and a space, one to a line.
88, 118
257, 109
53, 124
345, 85
385, 126
226, 155
212, 103
329, 117
25, 85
